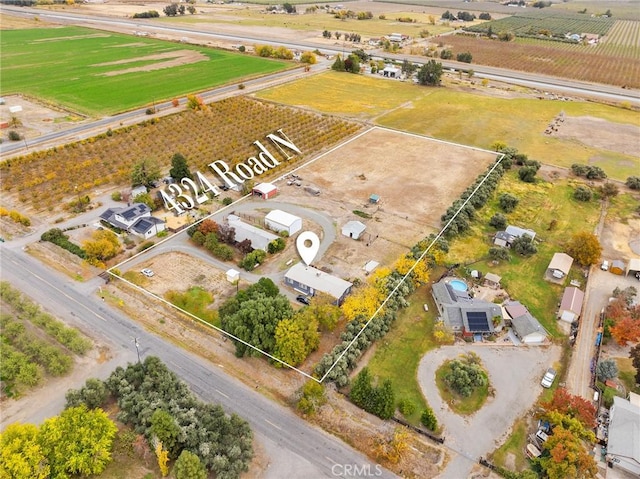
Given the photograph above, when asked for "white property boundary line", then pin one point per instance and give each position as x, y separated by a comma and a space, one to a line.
313, 160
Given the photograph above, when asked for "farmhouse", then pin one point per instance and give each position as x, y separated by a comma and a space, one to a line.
279, 220
265, 191
462, 313
506, 237
623, 447
260, 239
135, 219
353, 229
559, 266
571, 304
309, 280
391, 72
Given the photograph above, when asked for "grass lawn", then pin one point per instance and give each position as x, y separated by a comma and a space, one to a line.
445, 113
89, 71
627, 374
523, 277
514, 445
458, 403
623, 207
399, 352
196, 301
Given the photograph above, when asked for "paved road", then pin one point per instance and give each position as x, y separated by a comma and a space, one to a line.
296, 448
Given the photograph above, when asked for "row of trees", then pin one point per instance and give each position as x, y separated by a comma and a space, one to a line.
78, 442
159, 406
379, 400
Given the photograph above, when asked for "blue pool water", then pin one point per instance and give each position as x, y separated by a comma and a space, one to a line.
458, 285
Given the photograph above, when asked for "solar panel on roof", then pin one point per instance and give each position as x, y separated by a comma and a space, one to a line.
478, 321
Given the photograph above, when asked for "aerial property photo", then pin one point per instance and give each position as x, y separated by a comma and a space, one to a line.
347, 240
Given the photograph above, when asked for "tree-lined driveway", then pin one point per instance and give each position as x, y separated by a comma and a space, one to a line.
514, 373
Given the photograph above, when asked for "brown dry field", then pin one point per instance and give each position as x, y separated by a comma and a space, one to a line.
416, 177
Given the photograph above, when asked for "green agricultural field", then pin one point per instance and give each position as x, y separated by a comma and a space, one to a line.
98, 73
445, 113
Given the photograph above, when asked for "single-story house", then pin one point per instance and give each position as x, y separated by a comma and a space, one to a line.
506, 237
634, 266
395, 37
492, 280
353, 229
135, 219
623, 446
461, 313
265, 190
279, 220
148, 227
309, 280
617, 267
528, 329
571, 304
560, 265
259, 238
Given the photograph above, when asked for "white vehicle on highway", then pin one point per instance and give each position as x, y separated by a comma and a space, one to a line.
548, 378
147, 272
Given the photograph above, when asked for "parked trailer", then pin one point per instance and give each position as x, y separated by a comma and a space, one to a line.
598, 339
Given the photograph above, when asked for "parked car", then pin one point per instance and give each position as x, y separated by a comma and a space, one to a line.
548, 378
605, 265
147, 272
301, 298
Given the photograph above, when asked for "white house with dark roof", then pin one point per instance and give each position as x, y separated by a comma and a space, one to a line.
135, 219
309, 280
461, 313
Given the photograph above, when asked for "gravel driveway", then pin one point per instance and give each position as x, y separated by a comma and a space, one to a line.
514, 373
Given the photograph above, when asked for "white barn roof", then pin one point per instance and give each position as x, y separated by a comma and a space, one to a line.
282, 218
265, 188
259, 238
318, 280
624, 435
561, 262
353, 229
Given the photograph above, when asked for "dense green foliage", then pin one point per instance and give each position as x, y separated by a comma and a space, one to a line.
313, 397
378, 400
222, 443
57, 237
465, 375
430, 73
428, 419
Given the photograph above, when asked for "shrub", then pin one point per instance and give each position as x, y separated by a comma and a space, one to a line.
428, 419
313, 397
633, 182
406, 407
57, 237
464, 57
276, 245
116, 196
583, 193
14, 135
498, 221
508, 202
253, 259
524, 246
226, 201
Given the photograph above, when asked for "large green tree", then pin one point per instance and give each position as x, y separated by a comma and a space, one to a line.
255, 323
21, 456
179, 167
145, 172
188, 466
77, 442
164, 427
585, 248
430, 73
296, 338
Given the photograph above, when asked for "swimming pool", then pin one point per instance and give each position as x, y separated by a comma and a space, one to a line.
458, 285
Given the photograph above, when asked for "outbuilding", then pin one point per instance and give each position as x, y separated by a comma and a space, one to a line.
571, 304
559, 266
259, 238
233, 275
528, 329
279, 220
353, 229
634, 266
265, 190
623, 446
617, 267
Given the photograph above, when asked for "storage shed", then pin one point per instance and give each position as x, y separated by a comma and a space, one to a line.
279, 220
634, 266
233, 275
571, 304
353, 229
265, 190
617, 267
559, 266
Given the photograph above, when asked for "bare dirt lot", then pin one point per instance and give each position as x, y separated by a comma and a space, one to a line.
602, 134
417, 179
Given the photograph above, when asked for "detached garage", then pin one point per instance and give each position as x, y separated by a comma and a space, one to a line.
279, 220
634, 266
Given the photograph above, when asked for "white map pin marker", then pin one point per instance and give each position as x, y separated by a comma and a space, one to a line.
308, 253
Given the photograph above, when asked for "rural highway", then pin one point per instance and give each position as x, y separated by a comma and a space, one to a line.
295, 448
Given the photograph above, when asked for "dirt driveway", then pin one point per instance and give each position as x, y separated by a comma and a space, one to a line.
514, 373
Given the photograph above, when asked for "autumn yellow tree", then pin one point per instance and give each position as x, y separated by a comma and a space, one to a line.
163, 458
103, 245
392, 449
20, 454
420, 273
323, 310
296, 337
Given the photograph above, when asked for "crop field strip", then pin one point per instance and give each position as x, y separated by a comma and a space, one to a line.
552, 58
225, 130
100, 73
